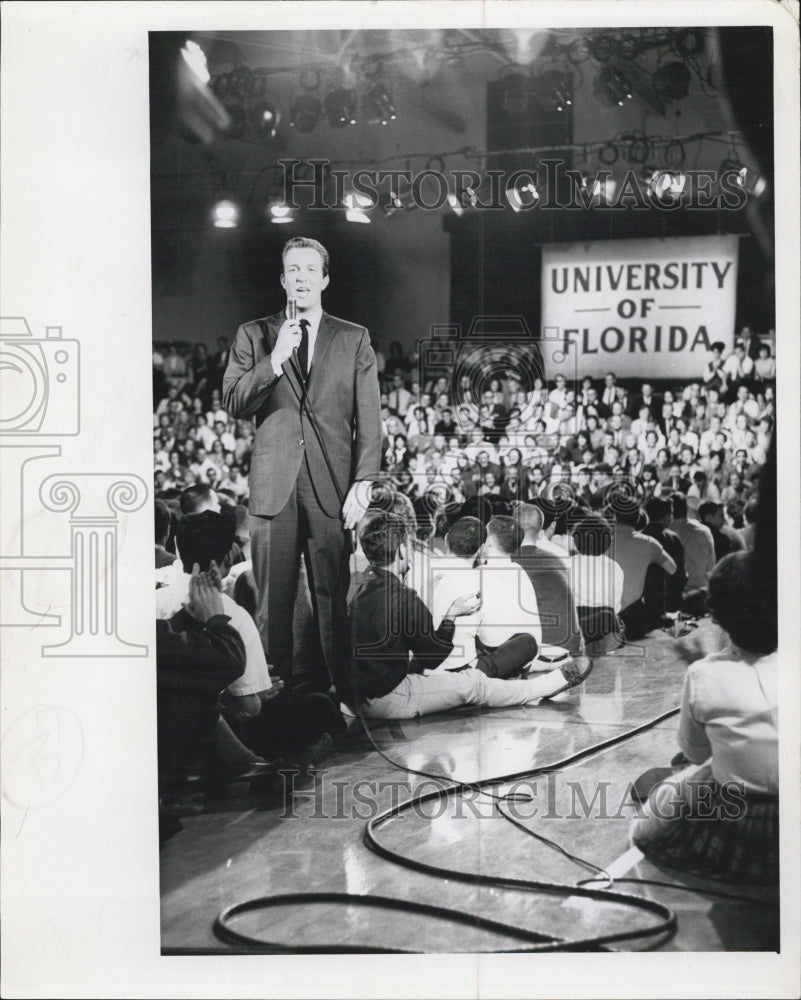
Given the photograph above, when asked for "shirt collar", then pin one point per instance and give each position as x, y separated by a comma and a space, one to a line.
313, 316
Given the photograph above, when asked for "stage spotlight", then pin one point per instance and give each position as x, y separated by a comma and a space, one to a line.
522, 194
263, 118
666, 185
195, 59
340, 107
279, 212
355, 205
379, 105
603, 190
515, 95
307, 110
748, 178
455, 204
554, 90
672, 81
225, 211
613, 85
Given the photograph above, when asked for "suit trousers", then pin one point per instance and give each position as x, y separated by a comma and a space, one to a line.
277, 543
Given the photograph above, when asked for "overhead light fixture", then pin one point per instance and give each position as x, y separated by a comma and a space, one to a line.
672, 81
748, 178
279, 212
455, 204
603, 189
340, 107
522, 193
263, 118
225, 211
355, 205
195, 59
554, 90
613, 85
380, 108
307, 110
666, 185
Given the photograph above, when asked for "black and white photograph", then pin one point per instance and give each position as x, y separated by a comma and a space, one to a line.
447, 355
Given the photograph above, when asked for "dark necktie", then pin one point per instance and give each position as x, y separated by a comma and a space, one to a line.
303, 350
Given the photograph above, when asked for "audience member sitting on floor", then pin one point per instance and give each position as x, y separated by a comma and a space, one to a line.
269, 721
660, 517
644, 563
198, 654
549, 575
719, 817
699, 555
396, 648
508, 599
200, 497
726, 539
457, 574
597, 582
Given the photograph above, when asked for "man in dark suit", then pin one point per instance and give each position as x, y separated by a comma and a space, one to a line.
311, 384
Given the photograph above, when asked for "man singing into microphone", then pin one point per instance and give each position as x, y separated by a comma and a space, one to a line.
311, 384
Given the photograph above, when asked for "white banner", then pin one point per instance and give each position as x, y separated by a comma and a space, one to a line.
646, 308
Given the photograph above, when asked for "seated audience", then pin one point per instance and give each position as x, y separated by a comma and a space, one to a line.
597, 582
726, 539
550, 578
457, 574
699, 554
660, 517
719, 816
396, 648
644, 563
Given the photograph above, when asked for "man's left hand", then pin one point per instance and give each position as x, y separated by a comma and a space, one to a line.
354, 507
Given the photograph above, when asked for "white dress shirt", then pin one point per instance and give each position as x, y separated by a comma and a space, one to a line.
508, 603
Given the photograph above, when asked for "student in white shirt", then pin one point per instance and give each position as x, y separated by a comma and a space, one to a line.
456, 575
719, 816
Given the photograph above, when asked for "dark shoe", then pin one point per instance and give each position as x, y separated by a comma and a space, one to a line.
575, 672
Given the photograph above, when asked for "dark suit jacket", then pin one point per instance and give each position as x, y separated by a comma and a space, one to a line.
342, 393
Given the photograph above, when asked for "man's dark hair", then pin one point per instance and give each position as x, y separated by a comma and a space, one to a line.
194, 497
466, 537
305, 242
381, 536
162, 516
592, 535
658, 509
679, 505
708, 508
203, 537
624, 513
741, 606
506, 532
478, 507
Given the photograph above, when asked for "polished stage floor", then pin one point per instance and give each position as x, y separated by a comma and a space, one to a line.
241, 848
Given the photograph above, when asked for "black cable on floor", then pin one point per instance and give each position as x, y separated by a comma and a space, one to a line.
664, 928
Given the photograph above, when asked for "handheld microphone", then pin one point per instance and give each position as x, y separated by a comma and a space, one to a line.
291, 309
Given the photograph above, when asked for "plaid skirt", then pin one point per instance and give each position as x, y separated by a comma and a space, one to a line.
745, 849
